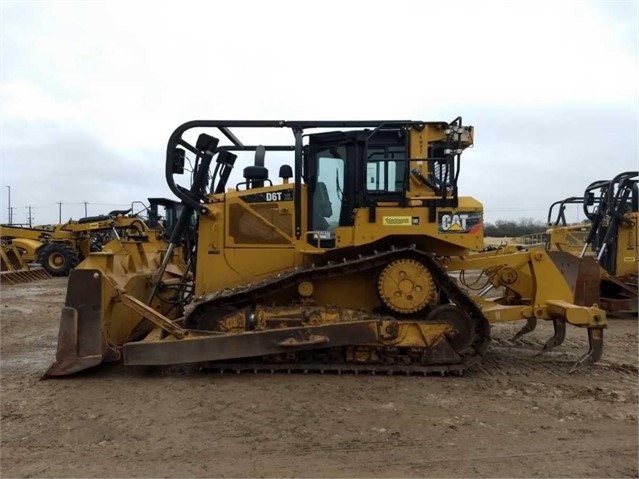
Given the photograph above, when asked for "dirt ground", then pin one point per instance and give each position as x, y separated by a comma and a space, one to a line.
517, 416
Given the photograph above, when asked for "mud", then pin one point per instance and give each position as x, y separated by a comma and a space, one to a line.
518, 415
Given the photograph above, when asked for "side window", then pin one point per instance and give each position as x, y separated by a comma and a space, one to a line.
328, 195
385, 169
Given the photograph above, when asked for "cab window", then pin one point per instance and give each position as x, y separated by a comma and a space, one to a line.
328, 194
385, 168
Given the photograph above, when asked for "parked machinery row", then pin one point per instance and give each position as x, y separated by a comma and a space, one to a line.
60, 248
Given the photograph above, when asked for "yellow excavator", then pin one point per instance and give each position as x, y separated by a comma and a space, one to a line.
343, 263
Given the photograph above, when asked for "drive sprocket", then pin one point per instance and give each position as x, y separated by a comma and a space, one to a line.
406, 286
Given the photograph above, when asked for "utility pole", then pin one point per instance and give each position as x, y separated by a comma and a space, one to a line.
30, 217
59, 212
85, 208
9, 205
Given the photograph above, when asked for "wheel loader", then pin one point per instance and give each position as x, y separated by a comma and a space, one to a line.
341, 262
611, 237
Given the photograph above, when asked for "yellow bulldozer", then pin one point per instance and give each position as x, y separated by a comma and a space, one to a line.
611, 236
562, 235
343, 263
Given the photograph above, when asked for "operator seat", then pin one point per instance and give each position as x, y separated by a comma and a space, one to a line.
322, 207
120, 212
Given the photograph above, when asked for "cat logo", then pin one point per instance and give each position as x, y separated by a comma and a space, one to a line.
454, 222
460, 222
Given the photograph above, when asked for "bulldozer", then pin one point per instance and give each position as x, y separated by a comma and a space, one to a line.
561, 236
342, 263
611, 236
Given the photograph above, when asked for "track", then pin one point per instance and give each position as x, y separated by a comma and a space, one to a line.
247, 295
345, 368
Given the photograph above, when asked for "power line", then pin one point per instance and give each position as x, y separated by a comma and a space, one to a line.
9, 210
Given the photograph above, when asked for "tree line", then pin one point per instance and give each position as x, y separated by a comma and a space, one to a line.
520, 227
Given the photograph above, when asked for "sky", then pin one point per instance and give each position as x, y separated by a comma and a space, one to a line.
92, 90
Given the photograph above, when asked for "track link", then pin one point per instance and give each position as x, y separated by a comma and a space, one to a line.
344, 368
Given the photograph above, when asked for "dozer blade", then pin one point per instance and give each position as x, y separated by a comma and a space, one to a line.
80, 339
23, 276
98, 316
581, 274
618, 295
14, 269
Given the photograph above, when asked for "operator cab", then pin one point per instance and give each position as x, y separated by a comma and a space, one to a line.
345, 171
365, 167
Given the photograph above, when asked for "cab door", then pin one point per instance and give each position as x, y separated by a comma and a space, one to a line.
330, 176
